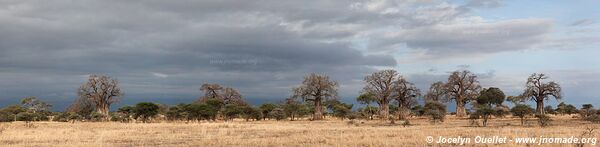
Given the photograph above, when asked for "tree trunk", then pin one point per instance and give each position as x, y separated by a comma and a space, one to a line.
460, 109
403, 112
540, 107
384, 110
103, 109
318, 110
522, 121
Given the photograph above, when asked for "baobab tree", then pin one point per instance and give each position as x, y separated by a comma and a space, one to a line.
436, 92
316, 88
381, 85
405, 93
211, 90
102, 91
227, 95
462, 87
537, 90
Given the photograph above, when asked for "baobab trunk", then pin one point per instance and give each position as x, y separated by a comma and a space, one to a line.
460, 109
318, 110
540, 107
403, 111
384, 110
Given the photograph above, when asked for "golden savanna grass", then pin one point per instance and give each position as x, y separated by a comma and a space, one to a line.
331, 132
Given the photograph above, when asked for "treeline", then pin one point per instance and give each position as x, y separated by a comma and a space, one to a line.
387, 95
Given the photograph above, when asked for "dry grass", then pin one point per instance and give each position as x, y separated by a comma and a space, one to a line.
272, 133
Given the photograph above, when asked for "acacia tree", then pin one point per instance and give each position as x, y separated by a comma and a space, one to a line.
462, 87
381, 85
367, 98
316, 88
102, 91
537, 90
405, 93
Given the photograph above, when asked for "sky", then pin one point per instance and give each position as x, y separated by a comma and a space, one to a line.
163, 51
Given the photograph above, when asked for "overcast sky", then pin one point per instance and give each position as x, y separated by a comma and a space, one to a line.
163, 51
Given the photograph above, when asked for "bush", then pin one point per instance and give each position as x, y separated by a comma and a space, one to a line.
200, 112
417, 110
95, 116
176, 112
522, 111
353, 116
594, 118
484, 112
61, 117
543, 120
436, 111
251, 113
232, 111
145, 110
278, 114
26, 116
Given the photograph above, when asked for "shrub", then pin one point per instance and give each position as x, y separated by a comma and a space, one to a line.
543, 120
594, 118
145, 110
251, 113
95, 116
522, 111
436, 111
232, 111
61, 117
200, 112
484, 112
278, 114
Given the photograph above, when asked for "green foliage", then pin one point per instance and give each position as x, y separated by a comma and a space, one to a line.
145, 110
176, 112
368, 112
124, 113
563, 108
436, 111
549, 110
216, 104
95, 116
26, 116
61, 117
594, 118
200, 112
353, 116
293, 109
339, 109
586, 110
491, 96
522, 111
484, 112
232, 111
366, 98
278, 114
250, 112
10, 113
417, 110
266, 109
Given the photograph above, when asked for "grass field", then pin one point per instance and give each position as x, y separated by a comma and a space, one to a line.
331, 132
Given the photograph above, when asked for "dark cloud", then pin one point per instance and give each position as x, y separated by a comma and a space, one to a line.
167, 49
583, 22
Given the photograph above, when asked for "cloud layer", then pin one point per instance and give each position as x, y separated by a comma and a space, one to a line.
167, 49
